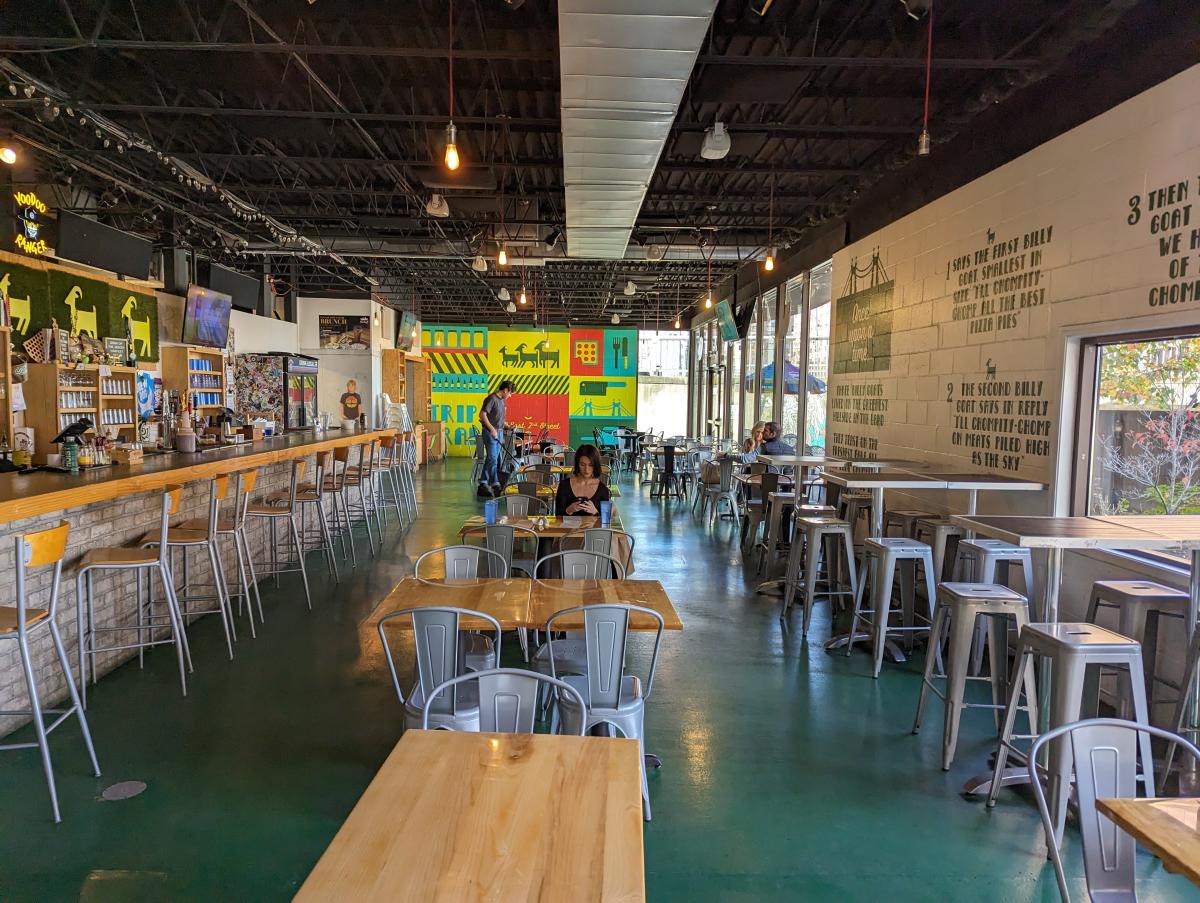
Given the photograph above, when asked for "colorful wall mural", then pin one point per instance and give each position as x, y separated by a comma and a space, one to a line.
569, 381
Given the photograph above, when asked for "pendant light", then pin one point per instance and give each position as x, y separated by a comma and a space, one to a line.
708, 298
502, 257
769, 263
452, 161
924, 143
677, 322
523, 299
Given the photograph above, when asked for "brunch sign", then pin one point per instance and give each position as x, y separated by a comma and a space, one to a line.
30, 210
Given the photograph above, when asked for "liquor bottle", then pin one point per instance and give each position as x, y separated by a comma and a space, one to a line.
130, 354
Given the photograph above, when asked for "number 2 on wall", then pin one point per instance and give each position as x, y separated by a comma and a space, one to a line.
949, 391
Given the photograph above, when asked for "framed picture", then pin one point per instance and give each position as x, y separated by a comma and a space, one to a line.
63, 346
344, 333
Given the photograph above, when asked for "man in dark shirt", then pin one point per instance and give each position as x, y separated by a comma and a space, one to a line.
491, 419
772, 444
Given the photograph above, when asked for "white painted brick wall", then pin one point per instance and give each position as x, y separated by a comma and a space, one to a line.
117, 522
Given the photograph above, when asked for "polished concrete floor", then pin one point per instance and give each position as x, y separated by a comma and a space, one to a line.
788, 774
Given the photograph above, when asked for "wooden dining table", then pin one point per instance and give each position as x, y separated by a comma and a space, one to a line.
1168, 828
556, 527
456, 817
548, 596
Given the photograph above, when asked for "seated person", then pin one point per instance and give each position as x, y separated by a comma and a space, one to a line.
582, 492
750, 445
772, 444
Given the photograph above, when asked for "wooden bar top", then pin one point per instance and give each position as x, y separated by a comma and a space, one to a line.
455, 817
44, 492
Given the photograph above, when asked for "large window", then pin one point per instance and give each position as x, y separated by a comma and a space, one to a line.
731, 429
793, 357
768, 380
820, 296
751, 380
1142, 438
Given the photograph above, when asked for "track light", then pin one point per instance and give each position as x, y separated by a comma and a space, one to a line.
630, 288
502, 257
452, 160
503, 294
769, 263
437, 207
511, 308
616, 318
716, 142
479, 265
523, 299
553, 239
8, 154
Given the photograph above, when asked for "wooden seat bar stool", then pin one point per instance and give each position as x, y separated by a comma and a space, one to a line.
358, 476
387, 484
285, 510
44, 549
148, 561
310, 495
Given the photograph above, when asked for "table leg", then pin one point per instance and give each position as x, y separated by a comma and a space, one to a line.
1191, 720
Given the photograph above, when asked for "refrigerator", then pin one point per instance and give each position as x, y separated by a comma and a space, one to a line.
278, 386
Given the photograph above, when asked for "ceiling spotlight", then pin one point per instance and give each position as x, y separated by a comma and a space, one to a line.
553, 239
436, 206
452, 161
502, 257
479, 265
616, 318
523, 299
769, 263
503, 294
511, 308
630, 288
8, 154
655, 252
716, 142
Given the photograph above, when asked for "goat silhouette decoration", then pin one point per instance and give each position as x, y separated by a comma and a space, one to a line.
509, 360
139, 330
83, 322
18, 308
527, 358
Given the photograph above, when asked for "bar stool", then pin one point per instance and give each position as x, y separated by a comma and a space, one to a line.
360, 476
986, 558
335, 485
959, 606
20, 622
942, 536
776, 539
407, 467
139, 560
235, 528
313, 495
853, 505
1139, 604
886, 554
1071, 648
203, 536
285, 510
387, 486
818, 532
755, 507
905, 521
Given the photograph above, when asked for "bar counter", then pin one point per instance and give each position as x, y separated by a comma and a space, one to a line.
44, 492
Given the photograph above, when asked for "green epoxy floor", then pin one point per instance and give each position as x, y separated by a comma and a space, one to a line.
788, 774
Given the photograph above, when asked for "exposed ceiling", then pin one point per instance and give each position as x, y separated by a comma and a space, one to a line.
330, 118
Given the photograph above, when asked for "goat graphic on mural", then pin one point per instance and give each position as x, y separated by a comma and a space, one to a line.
539, 357
139, 330
83, 322
18, 308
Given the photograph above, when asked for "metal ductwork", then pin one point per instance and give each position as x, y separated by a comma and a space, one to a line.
624, 67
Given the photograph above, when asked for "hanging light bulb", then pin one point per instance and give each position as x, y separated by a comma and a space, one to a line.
437, 338
546, 344
452, 160
502, 257
8, 155
677, 322
523, 299
376, 316
769, 263
708, 301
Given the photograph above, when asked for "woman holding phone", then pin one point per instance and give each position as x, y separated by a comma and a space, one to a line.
582, 492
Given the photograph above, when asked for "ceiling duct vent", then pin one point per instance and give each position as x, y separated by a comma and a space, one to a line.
624, 71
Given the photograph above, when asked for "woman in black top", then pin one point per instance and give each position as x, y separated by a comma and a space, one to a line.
582, 492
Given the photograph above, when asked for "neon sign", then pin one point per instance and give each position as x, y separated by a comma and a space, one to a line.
29, 208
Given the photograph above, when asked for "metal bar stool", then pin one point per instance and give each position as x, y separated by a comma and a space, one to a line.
959, 605
204, 536
150, 561
881, 556
285, 510
20, 622
313, 495
407, 467
335, 485
942, 536
1071, 649
821, 536
387, 486
904, 521
360, 476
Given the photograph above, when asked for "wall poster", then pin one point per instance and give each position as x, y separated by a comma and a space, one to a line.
341, 332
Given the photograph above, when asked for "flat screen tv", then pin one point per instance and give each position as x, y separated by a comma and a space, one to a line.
206, 317
407, 331
725, 320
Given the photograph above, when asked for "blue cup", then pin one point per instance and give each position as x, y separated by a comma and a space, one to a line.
491, 509
606, 513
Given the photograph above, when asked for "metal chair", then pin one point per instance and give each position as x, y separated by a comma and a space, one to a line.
581, 564
43, 549
439, 654
150, 561
462, 562
526, 506
612, 696
527, 487
201, 535
502, 539
285, 509
606, 541
1105, 751
722, 490
478, 459
507, 699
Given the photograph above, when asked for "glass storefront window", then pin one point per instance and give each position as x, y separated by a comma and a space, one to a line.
769, 379
820, 306
793, 357
731, 428
750, 380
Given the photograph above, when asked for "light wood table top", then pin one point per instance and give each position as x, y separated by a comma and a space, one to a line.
881, 479
799, 460
461, 817
1073, 532
505, 600
997, 481
556, 528
1168, 828
548, 596
544, 492
563, 469
755, 479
